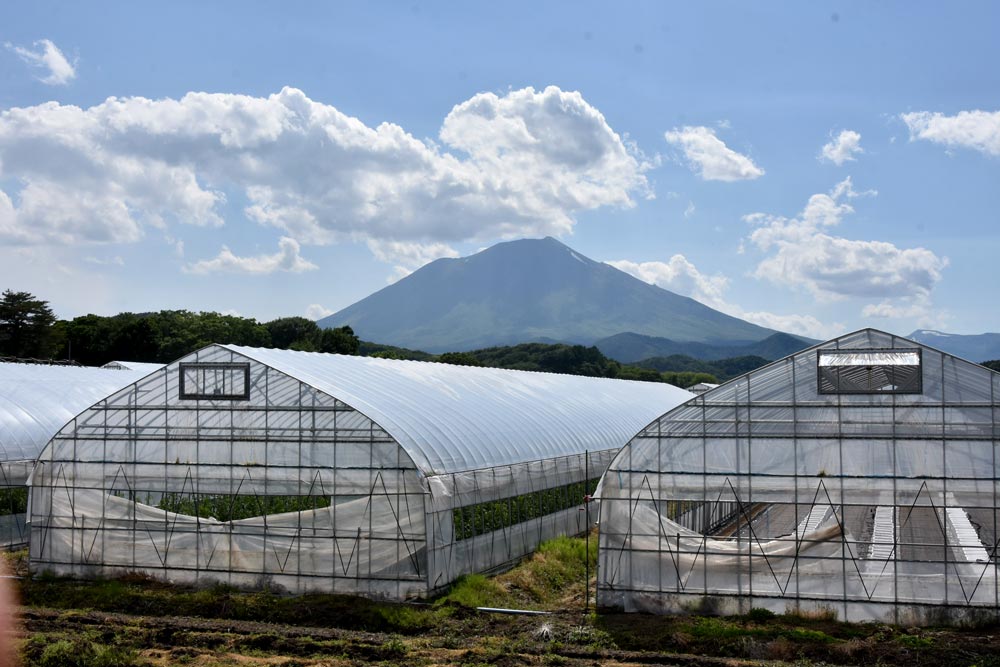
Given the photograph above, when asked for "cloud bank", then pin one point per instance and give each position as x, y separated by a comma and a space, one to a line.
520, 164
803, 253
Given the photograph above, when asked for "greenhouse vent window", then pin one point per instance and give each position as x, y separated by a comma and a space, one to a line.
869, 371
223, 381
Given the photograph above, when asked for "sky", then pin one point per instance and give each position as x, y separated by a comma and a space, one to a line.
811, 167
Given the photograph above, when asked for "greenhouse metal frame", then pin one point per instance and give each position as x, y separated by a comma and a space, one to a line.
857, 478
314, 472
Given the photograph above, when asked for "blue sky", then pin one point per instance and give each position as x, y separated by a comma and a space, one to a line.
807, 166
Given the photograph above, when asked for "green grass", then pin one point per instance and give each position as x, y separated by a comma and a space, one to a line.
544, 581
475, 590
806, 635
915, 641
80, 651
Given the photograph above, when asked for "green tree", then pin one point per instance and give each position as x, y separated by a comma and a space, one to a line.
636, 373
26, 326
340, 340
295, 333
685, 379
180, 332
87, 339
459, 359
160, 337
384, 354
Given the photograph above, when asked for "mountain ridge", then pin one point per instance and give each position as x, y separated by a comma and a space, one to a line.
530, 290
973, 347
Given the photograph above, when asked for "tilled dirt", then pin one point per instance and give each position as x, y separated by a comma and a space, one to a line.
198, 641
471, 638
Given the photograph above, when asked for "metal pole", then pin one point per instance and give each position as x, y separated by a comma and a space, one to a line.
586, 504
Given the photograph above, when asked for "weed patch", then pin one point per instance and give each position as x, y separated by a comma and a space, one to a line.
475, 590
77, 652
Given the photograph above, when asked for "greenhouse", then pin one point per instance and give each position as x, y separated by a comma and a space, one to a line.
856, 479
316, 472
36, 400
132, 366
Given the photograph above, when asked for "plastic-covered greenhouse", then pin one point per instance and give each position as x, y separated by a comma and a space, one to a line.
36, 400
133, 366
858, 477
318, 472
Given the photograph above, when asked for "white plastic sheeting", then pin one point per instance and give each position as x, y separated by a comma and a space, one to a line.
453, 418
141, 366
378, 455
764, 492
36, 400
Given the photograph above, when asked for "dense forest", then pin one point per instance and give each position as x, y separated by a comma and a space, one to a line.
29, 330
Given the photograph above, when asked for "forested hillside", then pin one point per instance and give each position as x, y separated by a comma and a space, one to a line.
570, 359
723, 369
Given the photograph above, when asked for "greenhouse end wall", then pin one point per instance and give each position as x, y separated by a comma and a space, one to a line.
871, 499
193, 490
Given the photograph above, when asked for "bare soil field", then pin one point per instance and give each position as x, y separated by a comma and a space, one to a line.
123, 623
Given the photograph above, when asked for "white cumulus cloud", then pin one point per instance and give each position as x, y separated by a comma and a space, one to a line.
680, 275
978, 130
842, 148
917, 308
803, 325
286, 259
521, 164
803, 253
406, 256
710, 157
315, 311
48, 57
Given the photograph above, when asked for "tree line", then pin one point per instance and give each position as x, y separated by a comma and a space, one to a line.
573, 360
30, 330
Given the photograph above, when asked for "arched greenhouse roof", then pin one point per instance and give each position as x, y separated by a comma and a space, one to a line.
36, 400
144, 366
454, 418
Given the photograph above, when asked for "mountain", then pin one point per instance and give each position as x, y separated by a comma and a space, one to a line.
631, 347
530, 290
977, 347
